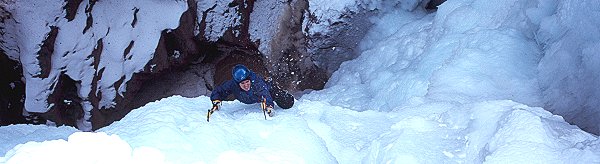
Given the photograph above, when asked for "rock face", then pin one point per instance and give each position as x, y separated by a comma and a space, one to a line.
87, 63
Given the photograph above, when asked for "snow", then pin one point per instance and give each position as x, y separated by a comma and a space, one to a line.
461, 85
174, 130
113, 149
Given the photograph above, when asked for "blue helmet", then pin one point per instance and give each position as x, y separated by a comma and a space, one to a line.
240, 73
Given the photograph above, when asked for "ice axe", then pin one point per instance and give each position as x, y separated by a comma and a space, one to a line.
212, 110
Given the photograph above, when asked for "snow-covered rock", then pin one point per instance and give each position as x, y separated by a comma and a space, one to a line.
81, 61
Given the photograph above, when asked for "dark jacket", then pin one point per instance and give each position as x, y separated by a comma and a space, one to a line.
258, 90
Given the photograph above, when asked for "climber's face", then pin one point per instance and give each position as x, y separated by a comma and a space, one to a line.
245, 85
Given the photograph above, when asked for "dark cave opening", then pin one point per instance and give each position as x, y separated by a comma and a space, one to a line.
199, 75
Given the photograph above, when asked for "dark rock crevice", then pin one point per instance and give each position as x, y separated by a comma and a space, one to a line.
94, 97
105, 116
88, 11
65, 103
71, 8
433, 4
135, 12
44, 56
13, 92
126, 55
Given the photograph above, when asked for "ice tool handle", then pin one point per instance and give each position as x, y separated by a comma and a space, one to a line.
263, 105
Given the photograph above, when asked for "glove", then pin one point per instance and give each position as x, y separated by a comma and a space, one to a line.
216, 104
270, 111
